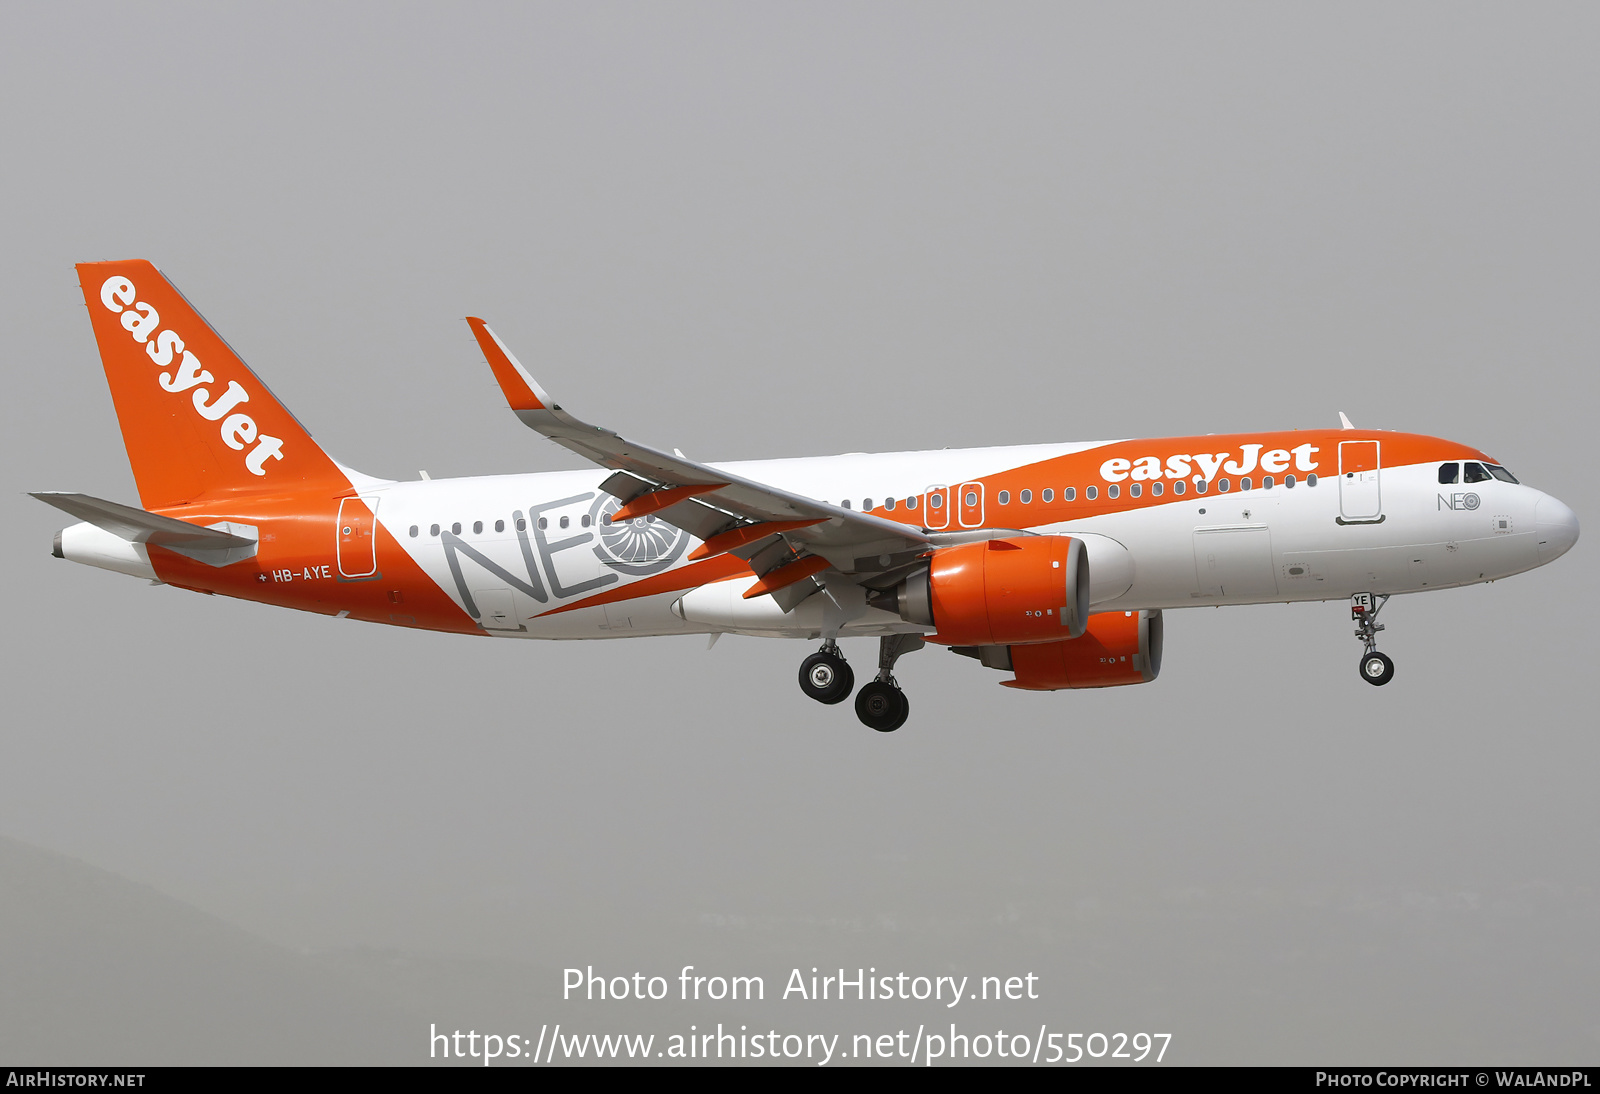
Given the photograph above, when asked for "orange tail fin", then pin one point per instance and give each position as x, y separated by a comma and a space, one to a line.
197, 423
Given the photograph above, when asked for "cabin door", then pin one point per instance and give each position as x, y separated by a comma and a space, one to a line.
357, 540
1359, 494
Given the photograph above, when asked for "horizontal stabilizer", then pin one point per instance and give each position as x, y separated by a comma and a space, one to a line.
139, 526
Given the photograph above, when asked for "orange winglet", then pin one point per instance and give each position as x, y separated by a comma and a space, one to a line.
787, 575
657, 500
521, 390
749, 533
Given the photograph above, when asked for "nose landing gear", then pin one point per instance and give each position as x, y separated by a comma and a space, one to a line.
1376, 668
826, 677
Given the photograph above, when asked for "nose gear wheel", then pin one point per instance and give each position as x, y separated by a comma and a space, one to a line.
1376, 668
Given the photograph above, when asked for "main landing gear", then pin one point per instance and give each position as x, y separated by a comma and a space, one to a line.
826, 677
881, 705
1376, 668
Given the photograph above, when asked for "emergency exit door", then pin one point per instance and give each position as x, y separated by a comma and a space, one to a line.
357, 541
969, 510
1360, 497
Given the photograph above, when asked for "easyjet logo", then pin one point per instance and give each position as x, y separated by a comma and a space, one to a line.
1205, 465
143, 321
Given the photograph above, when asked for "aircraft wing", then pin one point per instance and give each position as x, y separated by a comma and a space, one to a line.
773, 529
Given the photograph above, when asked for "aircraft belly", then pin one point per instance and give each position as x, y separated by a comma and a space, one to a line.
1234, 562
721, 607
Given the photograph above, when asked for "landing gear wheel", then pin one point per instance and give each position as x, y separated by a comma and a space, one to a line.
882, 706
1376, 668
826, 677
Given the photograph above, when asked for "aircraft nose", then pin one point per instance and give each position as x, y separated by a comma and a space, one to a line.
1557, 526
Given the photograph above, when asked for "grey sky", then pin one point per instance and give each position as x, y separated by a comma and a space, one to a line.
767, 230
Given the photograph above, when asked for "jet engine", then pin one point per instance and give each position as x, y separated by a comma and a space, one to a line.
998, 592
1118, 648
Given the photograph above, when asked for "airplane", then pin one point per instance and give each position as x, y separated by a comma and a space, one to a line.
1052, 563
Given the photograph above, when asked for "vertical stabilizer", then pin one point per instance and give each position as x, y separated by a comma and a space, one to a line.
197, 423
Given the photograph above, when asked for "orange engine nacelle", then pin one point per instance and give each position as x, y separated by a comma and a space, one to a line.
1118, 648
998, 592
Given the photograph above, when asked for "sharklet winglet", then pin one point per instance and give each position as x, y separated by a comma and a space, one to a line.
521, 390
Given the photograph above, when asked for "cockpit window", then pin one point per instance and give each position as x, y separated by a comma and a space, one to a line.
1449, 473
1500, 473
1476, 473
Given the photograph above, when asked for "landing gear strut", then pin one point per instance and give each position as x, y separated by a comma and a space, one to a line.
881, 705
825, 676
1376, 668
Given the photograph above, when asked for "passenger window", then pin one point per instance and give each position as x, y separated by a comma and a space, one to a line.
1091, 493
1222, 486
433, 529
1027, 497
1005, 497
1500, 473
544, 523
1266, 482
845, 504
1155, 490
455, 529
565, 521
1113, 491
1048, 496
972, 497
477, 527
937, 501
586, 521
1449, 474
1288, 480
522, 524
1311, 480
1199, 486
413, 531
888, 503
1476, 473
1070, 494
911, 502
866, 505
499, 526
1244, 483
1179, 487
1133, 490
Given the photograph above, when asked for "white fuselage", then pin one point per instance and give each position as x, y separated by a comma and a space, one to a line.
1286, 543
